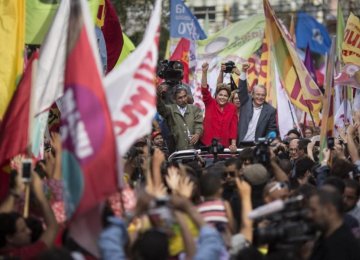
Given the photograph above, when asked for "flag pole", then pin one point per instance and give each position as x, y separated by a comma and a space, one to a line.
30, 131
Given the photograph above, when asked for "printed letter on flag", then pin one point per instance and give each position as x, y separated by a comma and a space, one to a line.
130, 88
301, 88
89, 153
183, 24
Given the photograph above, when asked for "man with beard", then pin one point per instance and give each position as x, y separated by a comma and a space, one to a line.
336, 240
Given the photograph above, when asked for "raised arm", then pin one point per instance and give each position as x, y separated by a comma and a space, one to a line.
220, 78
204, 84
161, 107
48, 236
243, 91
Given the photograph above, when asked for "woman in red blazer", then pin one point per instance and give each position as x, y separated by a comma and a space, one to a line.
221, 118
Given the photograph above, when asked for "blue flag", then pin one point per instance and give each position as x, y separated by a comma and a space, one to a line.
183, 24
311, 32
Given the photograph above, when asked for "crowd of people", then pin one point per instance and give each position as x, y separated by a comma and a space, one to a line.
275, 199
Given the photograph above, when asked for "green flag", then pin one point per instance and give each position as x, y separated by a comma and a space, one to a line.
39, 17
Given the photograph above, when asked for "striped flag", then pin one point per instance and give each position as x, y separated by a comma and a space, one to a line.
301, 88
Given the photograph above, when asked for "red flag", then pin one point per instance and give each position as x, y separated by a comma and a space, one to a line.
89, 161
181, 53
14, 129
112, 34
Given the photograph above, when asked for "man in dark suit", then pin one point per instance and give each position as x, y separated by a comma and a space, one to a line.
257, 118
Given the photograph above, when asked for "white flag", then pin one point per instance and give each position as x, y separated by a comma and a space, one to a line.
286, 114
49, 79
50, 71
131, 90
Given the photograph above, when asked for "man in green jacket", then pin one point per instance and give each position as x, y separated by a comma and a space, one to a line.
184, 120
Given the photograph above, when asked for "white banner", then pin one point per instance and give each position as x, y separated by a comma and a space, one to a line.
131, 90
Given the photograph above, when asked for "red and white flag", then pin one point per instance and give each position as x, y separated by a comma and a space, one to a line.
131, 90
14, 129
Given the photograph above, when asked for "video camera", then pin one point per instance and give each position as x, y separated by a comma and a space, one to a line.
229, 66
170, 71
261, 151
289, 226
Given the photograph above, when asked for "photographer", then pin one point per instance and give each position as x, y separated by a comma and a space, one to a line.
220, 115
173, 73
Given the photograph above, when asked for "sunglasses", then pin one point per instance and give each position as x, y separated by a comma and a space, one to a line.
278, 186
231, 174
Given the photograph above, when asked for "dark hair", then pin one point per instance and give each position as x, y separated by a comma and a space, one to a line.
294, 131
231, 161
352, 184
302, 166
7, 226
341, 168
151, 245
302, 145
36, 227
55, 253
210, 183
227, 89
331, 197
335, 182
245, 155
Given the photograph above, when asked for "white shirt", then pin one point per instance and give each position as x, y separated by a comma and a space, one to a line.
182, 110
250, 134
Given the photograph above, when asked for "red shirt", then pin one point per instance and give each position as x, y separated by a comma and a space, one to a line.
26, 252
220, 124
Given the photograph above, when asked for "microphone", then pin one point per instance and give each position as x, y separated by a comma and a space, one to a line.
275, 206
271, 136
267, 209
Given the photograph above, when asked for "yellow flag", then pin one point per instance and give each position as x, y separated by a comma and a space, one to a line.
351, 43
12, 30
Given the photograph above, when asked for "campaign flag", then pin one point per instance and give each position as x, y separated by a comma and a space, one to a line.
111, 29
12, 30
311, 32
133, 108
286, 113
181, 53
183, 24
267, 75
351, 42
327, 121
14, 129
89, 153
296, 80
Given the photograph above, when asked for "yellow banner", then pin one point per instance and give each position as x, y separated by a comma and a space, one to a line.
351, 43
12, 29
